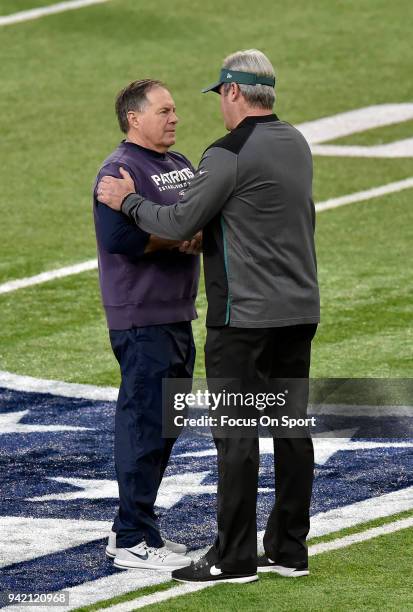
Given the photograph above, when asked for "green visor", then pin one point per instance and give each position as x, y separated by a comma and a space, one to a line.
243, 78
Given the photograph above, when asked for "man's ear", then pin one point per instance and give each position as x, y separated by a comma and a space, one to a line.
133, 119
235, 91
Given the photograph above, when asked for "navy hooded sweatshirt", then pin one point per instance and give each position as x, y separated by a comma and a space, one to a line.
141, 289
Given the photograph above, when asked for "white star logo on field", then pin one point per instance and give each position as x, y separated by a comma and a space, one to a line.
85, 489
172, 489
324, 448
10, 424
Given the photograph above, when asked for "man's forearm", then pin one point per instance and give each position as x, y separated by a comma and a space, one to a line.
209, 190
146, 214
155, 243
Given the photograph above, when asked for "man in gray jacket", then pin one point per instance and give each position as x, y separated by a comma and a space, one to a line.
252, 195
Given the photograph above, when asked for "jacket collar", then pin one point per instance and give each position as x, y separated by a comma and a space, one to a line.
254, 119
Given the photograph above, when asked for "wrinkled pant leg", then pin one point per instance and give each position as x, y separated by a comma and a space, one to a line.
289, 521
146, 356
236, 543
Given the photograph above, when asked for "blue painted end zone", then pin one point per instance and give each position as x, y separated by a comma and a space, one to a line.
29, 460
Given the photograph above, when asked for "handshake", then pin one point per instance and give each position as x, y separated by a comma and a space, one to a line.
193, 246
189, 247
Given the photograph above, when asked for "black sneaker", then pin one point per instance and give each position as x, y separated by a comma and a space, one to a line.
265, 564
206, 570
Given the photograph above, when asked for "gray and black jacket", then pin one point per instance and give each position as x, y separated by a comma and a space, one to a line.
252, 195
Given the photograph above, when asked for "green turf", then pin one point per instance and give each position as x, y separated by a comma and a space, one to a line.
101, 605
7, 7
313, 564
365, 280
361, 527
382, 135
366, 309
60, 75
368, 576
59, 78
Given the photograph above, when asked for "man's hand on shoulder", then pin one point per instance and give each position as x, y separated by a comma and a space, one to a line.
112, 191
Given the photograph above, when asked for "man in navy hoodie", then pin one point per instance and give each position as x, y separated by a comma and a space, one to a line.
148, 286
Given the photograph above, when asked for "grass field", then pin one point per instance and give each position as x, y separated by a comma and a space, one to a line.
327, 589
354, 578
59, 77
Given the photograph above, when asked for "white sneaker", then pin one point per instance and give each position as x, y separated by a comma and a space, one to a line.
111, 549
290, 572
175, 547
147, 557
265, 564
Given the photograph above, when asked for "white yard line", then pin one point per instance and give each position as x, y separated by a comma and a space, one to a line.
147, 600
44, 277
320, 207
42, 11
107, 587
111, 586
362, 536
57, 387
368, 194
357, 513
362, 410
313, 550
35, 537
321, 524
320, 131
91, 264
90, 592
17, 382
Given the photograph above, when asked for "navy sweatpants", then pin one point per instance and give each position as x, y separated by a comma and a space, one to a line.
146, 355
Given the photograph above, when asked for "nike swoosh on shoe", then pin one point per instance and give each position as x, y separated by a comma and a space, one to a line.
143, 557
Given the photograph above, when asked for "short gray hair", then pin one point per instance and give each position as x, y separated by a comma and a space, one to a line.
252, 60
133, 98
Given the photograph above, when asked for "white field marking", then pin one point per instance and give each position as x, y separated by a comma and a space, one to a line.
354, 121
361, 410
10, 424
171, 491
354, 538
184, 589
56, 387
92, 264
400, 148
368, 194
123, 582
102, 589
325, 446
42, 11
356, 513
316, 132
33, 537
361, 512
17, 382
22, 283
336, 126
155, 598
24, 538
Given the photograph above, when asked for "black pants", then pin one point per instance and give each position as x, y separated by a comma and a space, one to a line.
146, 355
257, 355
